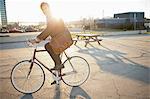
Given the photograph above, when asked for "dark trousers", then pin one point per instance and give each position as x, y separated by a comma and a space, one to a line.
55, 57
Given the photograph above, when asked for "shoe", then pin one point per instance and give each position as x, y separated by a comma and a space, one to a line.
58, 67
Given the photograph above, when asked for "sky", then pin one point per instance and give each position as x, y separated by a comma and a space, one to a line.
70, 10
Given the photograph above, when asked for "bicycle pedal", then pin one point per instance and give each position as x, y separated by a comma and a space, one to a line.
54, 82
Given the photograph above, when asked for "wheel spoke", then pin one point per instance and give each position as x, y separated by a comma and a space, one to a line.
27, 85
82, 70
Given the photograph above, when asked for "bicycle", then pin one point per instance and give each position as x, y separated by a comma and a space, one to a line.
28, 76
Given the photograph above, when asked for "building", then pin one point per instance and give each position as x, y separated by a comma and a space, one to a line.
147, 24
3, 13
130, 15
135, 18
114, 23
126, 21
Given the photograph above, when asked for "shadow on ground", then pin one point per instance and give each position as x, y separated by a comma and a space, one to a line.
114, 62
27, 96
76, 92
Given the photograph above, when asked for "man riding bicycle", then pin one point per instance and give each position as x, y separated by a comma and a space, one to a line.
60, 36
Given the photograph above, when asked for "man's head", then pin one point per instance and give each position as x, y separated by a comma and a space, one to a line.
45, 8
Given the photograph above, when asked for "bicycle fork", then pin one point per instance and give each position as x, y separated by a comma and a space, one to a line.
32, 62
30, 68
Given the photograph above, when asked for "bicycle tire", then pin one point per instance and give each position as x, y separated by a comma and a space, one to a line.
19, 76
81, 73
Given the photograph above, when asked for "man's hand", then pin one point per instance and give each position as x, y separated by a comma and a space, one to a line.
30, 43
33, 41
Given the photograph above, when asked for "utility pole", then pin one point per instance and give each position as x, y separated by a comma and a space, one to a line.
103, 14
134, 21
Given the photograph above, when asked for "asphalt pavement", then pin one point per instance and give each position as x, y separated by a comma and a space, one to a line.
120, 68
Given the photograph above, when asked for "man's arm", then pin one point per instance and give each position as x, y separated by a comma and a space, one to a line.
44, 34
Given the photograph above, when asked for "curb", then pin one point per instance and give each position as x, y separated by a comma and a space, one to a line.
12, 42
4, 35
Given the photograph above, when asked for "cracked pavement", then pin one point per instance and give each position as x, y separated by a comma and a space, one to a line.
120, 69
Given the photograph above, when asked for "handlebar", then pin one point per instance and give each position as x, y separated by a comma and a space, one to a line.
34, 45
30, 44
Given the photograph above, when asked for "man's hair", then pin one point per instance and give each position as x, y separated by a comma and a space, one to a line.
44, 3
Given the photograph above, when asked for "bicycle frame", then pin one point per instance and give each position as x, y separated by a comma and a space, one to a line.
34, 59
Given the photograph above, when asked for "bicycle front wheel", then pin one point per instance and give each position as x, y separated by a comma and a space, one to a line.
27, 80
76, 71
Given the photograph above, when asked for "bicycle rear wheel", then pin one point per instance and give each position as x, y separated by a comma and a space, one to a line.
25, 81
76, 71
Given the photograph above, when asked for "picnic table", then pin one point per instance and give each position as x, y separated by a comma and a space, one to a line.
87, 38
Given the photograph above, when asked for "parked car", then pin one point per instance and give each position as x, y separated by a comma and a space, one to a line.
30, 29
15, 30
4, 30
